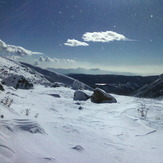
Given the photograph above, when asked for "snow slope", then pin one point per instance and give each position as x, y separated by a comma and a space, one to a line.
54, 76
33, 74
41, 128
45, 125
9, 67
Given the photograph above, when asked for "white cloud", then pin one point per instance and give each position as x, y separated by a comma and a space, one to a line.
103, 36
74, 43
15, 50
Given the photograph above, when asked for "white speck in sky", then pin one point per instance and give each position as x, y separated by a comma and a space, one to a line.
102, 48
151, 16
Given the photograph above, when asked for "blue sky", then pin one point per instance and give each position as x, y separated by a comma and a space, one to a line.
45, 26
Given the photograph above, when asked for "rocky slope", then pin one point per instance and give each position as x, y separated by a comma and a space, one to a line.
153, 90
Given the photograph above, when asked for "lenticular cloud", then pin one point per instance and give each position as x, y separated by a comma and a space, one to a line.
103, 36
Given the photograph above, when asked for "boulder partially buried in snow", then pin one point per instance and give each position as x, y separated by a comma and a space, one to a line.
77, 85
78, 148
81, 96
100, 96
58, 84
17, 81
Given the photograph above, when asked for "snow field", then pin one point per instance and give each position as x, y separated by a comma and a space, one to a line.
41, 128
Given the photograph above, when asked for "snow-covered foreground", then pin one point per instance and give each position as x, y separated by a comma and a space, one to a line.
41, 127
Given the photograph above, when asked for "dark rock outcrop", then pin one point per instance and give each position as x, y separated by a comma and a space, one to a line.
58, 84
1, 87
18, 82
100, 96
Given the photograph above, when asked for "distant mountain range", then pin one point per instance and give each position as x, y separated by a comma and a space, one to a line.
94, 71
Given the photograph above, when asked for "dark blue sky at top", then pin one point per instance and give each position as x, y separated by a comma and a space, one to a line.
45, 25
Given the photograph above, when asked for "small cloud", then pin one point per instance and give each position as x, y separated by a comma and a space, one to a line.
103, 36
74, 43
15, 50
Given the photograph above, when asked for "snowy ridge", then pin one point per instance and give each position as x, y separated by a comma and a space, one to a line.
55, 77
9, 67
34, 74
45, 125
153, 90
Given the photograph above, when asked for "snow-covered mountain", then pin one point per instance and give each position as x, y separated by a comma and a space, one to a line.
34, 74
9, 67
54, 76
45, 124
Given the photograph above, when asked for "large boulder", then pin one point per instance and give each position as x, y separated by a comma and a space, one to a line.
80, 95
17, 81
100, 96
77, 85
